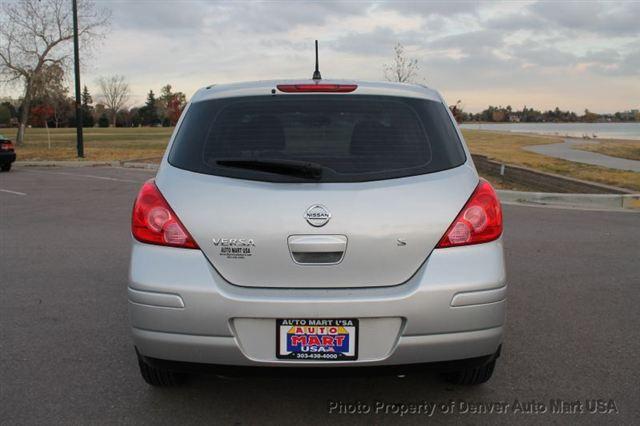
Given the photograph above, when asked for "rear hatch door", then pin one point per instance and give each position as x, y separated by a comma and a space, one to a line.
246, 228
386, 176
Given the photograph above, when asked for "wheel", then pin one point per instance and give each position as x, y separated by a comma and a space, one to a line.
471, 376
158, 376
5, 167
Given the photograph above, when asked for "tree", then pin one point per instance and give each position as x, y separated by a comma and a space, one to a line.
103, 121
124, 118
5, 115
135, 117
457, 111
166, 93
51, 90
98, 111
172, 104
589, 116
12, 109
115, 94
87, 108
403, 69
498, 115
42, 114
163, 100
149, 112
35, 33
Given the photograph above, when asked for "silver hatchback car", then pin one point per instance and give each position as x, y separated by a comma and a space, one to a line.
317, 224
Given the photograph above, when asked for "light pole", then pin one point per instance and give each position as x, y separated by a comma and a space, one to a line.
76, 66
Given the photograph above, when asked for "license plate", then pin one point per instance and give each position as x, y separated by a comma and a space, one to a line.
317, 339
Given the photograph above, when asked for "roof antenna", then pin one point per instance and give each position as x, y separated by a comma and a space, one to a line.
316, 73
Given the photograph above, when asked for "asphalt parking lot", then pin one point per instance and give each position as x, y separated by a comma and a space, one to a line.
66, 356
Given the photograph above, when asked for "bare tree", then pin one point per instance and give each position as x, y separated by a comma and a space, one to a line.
34, 33
115, 94
403, 69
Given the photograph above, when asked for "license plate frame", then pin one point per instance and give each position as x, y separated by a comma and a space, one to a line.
285, 342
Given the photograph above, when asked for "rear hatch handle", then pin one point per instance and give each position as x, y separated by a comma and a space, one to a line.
317, 249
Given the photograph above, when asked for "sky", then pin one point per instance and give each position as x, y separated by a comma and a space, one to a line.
574, 55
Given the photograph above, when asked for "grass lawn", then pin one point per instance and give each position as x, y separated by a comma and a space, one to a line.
100, 144
615, 148
109, 144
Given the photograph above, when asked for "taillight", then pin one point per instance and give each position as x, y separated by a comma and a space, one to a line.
8, 146
334, 88
480, 220
154, 222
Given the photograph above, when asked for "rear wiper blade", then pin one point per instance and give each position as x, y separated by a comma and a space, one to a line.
297, 168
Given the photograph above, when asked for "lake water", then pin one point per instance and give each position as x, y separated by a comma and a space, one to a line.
599, 130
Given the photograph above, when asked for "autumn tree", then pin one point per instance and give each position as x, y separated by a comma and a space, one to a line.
403, 69
115, 94
52, 92
172, 103
37, 33
41, 114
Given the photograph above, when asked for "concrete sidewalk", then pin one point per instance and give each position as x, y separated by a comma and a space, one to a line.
582, 201
567, 151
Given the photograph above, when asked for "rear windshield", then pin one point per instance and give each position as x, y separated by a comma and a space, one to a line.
351, 138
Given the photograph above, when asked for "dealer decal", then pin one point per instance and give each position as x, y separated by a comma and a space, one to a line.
235, 248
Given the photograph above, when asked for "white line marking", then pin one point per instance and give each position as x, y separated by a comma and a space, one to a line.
12, 192
78, 175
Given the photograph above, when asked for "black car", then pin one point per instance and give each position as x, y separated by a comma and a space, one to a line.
7, 154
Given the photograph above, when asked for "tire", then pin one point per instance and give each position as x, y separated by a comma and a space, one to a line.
159, 377
471, 376
5, 167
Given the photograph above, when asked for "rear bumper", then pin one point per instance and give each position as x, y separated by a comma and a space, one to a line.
7, 157
408, 350
182, 310
234, 370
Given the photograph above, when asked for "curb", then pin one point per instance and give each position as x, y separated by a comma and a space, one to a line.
49, 163
80, 163
590, 201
